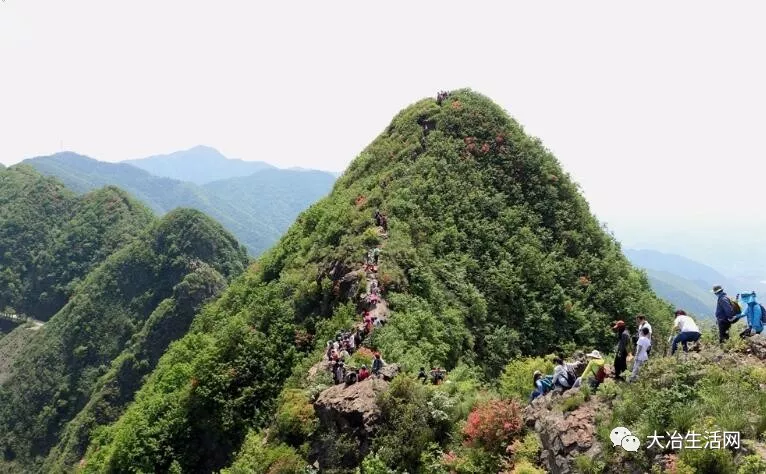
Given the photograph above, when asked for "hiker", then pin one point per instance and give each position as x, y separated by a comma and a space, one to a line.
642, 352
377, 365
343, 355
330, 350
340, 373
422, 375
642, 323
726, 312
437, 375
384, 223
688, 331
375, 255
563, 374
594, 372
363, 373
351, 377
623, 349
378, 218
754, 313
543, 384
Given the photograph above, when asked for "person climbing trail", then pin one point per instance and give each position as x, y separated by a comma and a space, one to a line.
351, 377
754, 314
726, 313
688, 331
422, 375
594, 373
563, 374
375, 255
642, 352
623, 349
543, 384
377, 365
363, 373
643, 323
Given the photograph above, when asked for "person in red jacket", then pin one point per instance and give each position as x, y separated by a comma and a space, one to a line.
363, 373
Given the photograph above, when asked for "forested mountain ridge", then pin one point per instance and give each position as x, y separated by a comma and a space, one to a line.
491, 253
50, 238
257, 208
123, 314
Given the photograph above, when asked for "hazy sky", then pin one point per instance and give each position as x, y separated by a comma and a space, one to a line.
655, 108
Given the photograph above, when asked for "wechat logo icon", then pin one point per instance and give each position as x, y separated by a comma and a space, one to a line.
622, 437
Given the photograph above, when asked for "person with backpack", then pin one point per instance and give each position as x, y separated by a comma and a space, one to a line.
642, 352
543, 384
688, 331
594, 372
727, 311
377, 365
754, 313
563, 374
351, 377
623, 349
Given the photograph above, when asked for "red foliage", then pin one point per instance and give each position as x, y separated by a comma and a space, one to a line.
361, 200
499, 139
456, 104
485, 148
493, 424
471, 148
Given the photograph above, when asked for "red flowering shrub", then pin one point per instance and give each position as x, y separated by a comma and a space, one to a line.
494, 424
485, 148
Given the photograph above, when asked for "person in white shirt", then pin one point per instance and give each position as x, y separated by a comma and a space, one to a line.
642, 352
688, 331
643, 323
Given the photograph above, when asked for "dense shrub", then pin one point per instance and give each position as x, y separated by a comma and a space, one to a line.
516, 380
295, 418
494, 424
259, 457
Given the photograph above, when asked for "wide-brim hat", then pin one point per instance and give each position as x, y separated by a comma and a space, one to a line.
594, 355
716, 289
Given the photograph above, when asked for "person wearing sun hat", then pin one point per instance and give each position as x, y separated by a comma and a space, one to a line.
623, 349
594, 372
725, 313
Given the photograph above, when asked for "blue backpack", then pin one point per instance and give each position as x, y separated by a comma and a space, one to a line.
546, 382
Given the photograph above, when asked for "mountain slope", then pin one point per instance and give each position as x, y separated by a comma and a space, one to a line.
682, 281
682, 293
198, 165
51, 239
117, 309
257, 210
287, 193
491, 253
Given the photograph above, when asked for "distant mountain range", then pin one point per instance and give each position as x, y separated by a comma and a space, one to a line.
199, 165
257, 207
686, 283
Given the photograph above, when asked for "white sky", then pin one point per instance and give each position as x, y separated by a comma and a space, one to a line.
653, 107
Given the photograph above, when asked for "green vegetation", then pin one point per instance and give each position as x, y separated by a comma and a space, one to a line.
492, 253
124, 313
257, 208
51, 239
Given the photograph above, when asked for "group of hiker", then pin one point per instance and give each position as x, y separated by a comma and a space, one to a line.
339, 351
728, 311
436, 376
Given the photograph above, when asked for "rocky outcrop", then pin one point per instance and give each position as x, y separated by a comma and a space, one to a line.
564, 436
350, 409
756, 346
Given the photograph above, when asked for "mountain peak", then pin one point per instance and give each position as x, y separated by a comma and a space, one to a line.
200, 165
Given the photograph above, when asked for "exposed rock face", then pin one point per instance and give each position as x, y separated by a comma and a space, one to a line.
351, 409
564, 435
